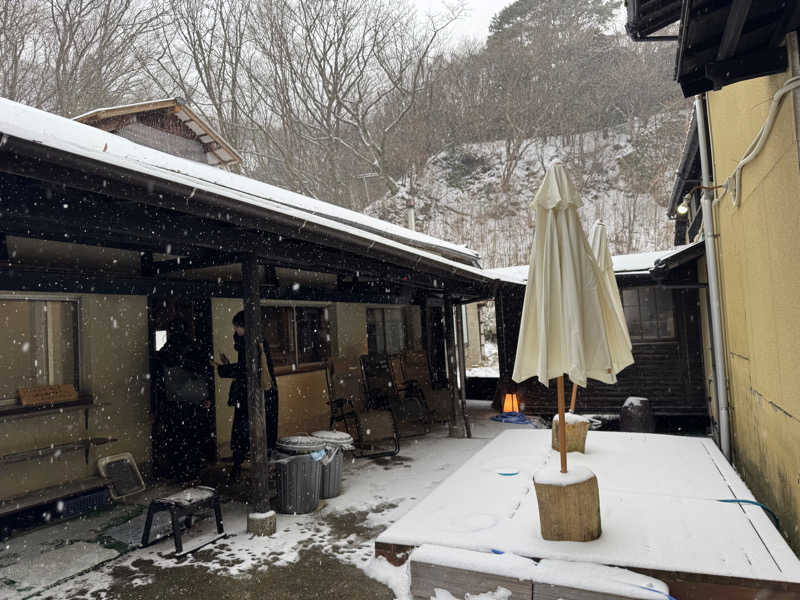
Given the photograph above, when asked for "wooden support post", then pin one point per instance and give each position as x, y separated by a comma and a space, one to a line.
252, 275
462, 367
456, 424
574, 397
562, 431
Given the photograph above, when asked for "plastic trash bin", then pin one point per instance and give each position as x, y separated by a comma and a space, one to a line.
336, 442
298, 470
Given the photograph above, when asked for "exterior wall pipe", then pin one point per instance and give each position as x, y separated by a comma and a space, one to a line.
713, 279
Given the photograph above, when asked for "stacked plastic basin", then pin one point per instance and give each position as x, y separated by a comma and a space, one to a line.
298, 468
309, 468
336, 442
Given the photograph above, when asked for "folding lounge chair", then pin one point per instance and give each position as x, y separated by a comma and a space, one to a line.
374, 430
386, 387
416, 370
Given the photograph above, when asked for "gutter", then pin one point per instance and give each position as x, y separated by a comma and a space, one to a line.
713, 279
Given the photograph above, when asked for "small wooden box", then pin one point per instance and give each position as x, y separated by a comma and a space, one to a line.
47, 394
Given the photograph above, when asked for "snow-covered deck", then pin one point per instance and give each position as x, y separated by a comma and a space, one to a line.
659, 504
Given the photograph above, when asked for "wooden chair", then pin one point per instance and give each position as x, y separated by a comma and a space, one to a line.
386, 386
416, 369
371, 428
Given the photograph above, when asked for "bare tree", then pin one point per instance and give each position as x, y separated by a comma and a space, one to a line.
95, 50
22, 24
201, 53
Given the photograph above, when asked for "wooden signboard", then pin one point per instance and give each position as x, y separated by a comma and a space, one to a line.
47, 394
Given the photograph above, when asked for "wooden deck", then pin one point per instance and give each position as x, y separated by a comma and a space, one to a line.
660, 514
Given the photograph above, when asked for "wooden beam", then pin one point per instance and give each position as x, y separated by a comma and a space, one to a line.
200, 260
252, 275
456, 423
61, 214
737, 16
31, 160
462, 367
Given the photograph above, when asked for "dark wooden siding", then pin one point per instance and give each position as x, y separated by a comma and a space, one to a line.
669, 373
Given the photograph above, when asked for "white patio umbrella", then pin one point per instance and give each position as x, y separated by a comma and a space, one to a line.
598, 240
568, 321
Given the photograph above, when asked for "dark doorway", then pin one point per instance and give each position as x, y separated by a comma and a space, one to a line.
433, 338
195, 314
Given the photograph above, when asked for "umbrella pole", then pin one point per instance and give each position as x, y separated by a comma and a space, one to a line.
562, 425
574, 396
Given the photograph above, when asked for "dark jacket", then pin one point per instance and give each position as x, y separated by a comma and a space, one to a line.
237, 397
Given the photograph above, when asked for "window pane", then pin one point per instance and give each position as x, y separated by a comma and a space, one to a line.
61, 336
630, 304
647, 308
313, 339
666, 313
37, 344
279, 333
376, 341
395, 330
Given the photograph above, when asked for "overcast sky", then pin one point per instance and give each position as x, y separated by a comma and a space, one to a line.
473, 25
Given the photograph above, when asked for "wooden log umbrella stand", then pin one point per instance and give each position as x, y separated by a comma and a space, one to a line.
568, 327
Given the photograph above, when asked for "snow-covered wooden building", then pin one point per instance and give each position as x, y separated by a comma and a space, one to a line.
117, 223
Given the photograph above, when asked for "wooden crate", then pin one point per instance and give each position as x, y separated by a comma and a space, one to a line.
47, 394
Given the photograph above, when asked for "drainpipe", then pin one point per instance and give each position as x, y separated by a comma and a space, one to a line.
713, 280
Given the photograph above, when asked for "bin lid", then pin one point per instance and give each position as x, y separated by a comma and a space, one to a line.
300, 444
335, 438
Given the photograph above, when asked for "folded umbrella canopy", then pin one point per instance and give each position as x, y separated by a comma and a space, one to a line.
598, 240
569, 324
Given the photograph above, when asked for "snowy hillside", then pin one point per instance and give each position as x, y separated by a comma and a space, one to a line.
459, 198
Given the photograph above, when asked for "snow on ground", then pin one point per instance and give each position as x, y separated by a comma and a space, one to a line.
484, 372
375, 494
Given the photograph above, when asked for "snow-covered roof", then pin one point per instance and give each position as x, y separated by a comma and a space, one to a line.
332, 211
624, 264
70, 136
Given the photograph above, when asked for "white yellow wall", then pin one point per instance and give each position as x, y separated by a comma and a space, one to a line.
114, 369
759, 250
303, 396
472, 350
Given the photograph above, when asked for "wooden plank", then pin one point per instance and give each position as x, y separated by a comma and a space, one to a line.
53, 450
21, 412
47, 394
51, 494
426, 578
545, 591
698, 585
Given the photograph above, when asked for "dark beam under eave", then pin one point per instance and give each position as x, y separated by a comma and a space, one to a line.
33, 160
82, 217
737, 16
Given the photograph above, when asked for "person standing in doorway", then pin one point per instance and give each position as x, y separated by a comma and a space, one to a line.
184, 401
240, 433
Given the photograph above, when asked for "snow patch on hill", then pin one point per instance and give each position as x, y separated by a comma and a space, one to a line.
459, 197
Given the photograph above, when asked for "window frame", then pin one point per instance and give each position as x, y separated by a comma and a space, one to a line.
641, 339
297, 366
77, 337
403, 321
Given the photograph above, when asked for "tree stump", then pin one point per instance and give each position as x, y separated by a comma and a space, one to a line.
577, 428
569, 504
636, 415
262, 524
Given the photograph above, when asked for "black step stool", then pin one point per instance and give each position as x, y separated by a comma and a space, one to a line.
184, 504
